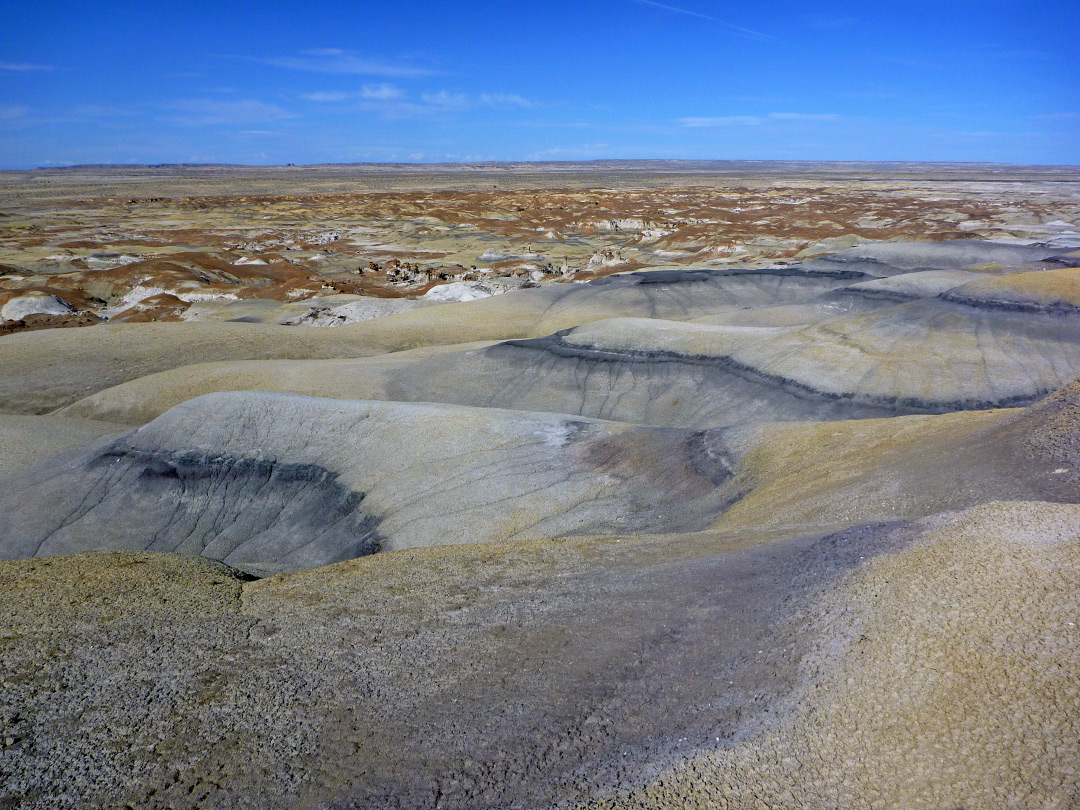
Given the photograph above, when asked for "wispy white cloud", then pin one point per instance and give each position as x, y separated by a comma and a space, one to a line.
721, 121
789, 116
753, 120
674, 9
98, 111
97, 114
506, 100
446, 100
1058, 116
340, 61
391, 102
326, 97
552, 124
584, 151
380, 92
23, 67
210, 112
369, 92
689, 13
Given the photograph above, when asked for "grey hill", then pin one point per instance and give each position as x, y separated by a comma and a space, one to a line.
704, 350
271, 482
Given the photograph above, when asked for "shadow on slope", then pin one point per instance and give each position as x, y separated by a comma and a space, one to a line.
49, 369
271, 482
994, 343
693, 667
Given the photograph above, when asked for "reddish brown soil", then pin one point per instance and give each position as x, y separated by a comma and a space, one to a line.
75, 249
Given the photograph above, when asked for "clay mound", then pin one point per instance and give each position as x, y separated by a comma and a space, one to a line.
890, 258
855, 299
35, 303
930, 355
47, 369
145, 398
32, 323
833, 474
843, 353
943, 676
359, 492
925, 356
161, 307
1055, 291
909, 286
43, 372
442, 675
273, 483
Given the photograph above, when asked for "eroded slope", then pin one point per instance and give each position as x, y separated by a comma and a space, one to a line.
272, 483
933, 663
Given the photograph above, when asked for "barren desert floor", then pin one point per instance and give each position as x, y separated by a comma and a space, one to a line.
609, 485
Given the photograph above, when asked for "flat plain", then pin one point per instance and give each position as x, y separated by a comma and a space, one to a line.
610, 485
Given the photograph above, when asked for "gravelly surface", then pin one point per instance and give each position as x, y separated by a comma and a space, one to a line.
902, 665
943, 676
458, 678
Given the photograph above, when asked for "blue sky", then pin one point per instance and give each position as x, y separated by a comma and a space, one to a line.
271, 83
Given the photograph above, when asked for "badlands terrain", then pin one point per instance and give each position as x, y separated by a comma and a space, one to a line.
611, 485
